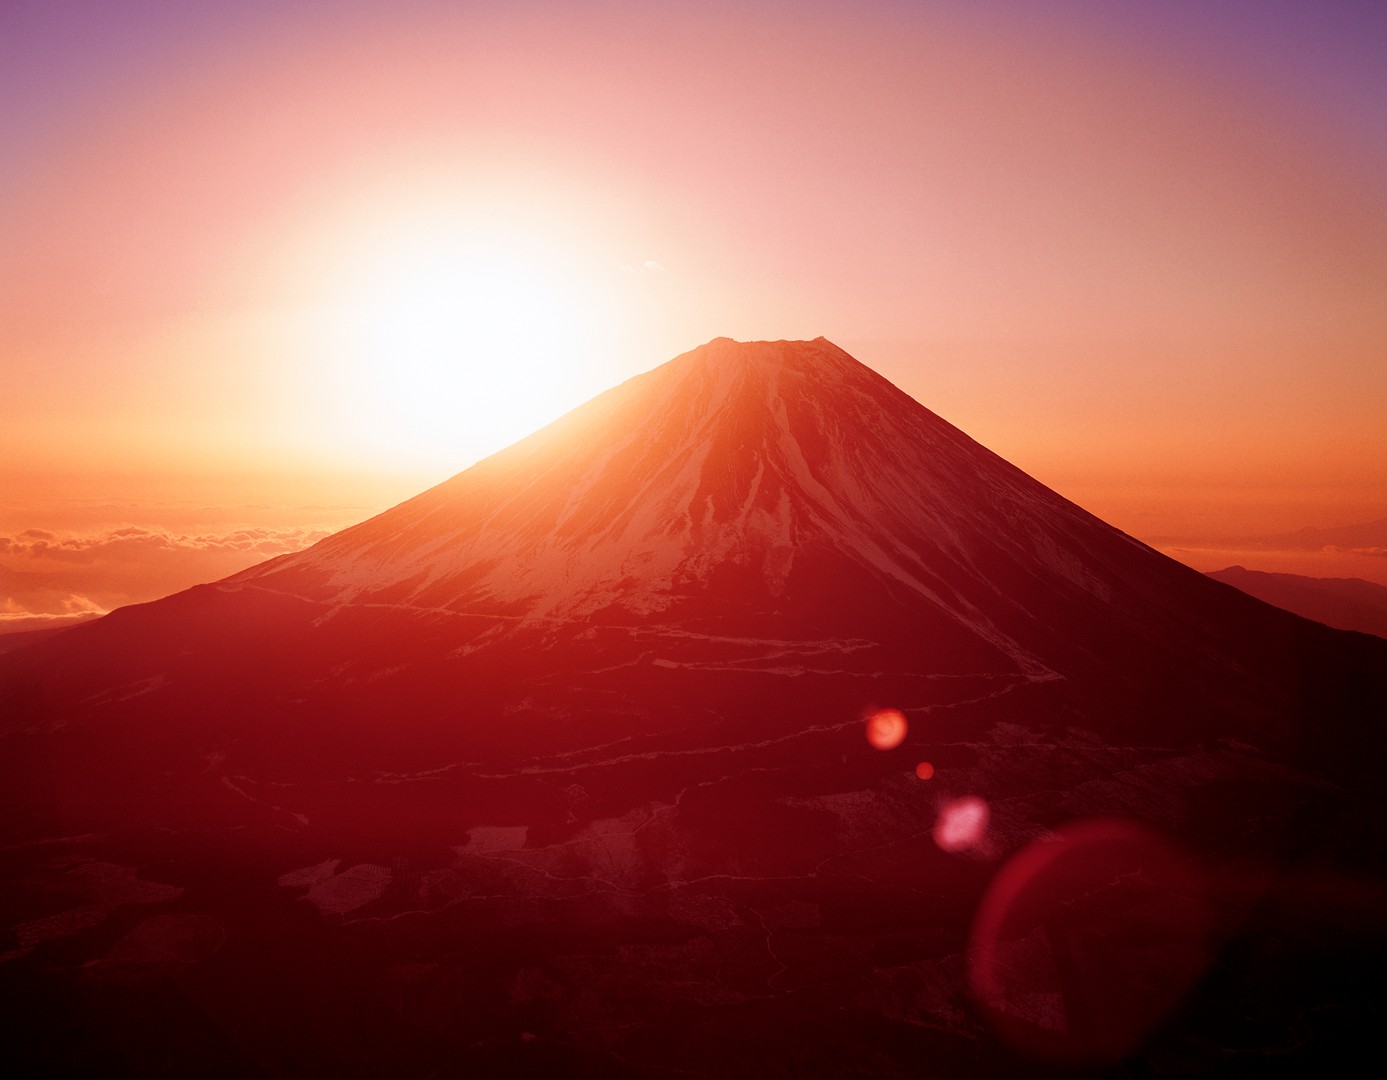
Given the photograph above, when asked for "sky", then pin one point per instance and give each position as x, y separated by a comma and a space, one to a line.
268, 268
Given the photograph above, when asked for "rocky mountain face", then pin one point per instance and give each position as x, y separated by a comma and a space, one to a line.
748, 720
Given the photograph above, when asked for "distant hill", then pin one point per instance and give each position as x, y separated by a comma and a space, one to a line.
1345, 603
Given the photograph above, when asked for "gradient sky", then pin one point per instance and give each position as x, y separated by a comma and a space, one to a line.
279, 264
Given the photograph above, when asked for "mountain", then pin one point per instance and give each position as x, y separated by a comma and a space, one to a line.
776, 484
748, 720
1345, 603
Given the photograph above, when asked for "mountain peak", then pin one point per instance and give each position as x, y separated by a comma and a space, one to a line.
742, 372
785, 474
725, 351
764, 344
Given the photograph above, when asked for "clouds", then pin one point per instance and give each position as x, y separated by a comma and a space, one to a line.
47, 575
1373, 552
74, 606
121, 544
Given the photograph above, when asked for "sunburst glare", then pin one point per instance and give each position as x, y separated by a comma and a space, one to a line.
448, 341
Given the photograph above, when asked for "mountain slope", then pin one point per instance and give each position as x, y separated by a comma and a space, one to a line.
560, 767
736, 457
769, 489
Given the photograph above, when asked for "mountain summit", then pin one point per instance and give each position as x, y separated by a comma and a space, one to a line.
784, 476
736, 460
563, 763
777, 464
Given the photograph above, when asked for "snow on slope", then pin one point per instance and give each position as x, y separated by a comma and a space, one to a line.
769, 460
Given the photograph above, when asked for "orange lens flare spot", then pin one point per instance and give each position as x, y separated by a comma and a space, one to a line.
924, 771
886, 728
962, 824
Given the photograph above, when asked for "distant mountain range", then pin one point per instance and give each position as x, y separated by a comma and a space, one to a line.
1346, 603
748, 720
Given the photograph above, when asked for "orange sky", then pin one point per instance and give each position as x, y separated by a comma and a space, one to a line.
1147, 267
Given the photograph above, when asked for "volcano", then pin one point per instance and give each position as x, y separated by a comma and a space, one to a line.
563, 766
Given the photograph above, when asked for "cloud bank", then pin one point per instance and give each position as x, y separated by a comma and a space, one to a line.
47, 576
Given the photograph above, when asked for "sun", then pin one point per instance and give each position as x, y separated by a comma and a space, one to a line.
449, 342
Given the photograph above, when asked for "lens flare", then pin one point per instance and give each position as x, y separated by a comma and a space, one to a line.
962, 824
886, 728
1107, 923
924, 771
